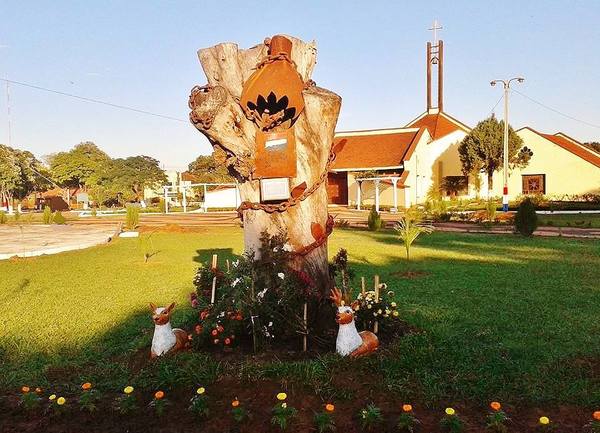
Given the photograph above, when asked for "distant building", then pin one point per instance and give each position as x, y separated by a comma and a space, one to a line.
398, 167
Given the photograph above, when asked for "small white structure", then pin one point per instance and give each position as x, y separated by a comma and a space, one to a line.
224, 196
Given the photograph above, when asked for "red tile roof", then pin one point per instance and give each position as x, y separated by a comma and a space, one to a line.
439, 124
382, 148
571, 145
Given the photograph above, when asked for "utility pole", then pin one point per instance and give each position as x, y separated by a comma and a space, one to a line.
506, 85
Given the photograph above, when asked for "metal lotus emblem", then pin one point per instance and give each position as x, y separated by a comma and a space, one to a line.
272, 95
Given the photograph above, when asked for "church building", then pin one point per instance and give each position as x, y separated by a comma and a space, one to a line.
397, 167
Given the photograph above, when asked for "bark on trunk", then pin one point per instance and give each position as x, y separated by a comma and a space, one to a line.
217, 114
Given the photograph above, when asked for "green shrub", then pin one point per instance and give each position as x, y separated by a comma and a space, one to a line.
162, 208
526, 220
94, 212
47, 216
58, 218
133, 218
374, 220
3, 218
490, 208
17, 215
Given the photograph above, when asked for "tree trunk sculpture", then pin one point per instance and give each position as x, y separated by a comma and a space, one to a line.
217, 113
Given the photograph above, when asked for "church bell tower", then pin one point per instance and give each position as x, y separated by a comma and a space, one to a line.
435, 63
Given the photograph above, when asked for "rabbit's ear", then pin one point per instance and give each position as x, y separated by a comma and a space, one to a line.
170, 307
152, 307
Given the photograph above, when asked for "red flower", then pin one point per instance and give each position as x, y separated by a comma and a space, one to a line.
227, 342
214, 333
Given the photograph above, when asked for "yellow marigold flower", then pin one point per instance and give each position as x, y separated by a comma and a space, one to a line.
235, 403
495, 405
128, 389
86, 386
450, 411
159, 395
395, 313
544, 420
25, 389
52, 397
200, 390
60, 401
393, 304
329, 407
281, 396
407, 407
597, 415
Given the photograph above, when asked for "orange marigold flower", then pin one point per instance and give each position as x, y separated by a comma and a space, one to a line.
597, 415
159, 395
407, 407
495, 405
235, 403
86, 386
329, 407
25, 389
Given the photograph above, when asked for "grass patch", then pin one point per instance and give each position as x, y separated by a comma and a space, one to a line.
501, 317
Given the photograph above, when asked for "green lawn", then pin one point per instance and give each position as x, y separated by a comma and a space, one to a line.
499, 316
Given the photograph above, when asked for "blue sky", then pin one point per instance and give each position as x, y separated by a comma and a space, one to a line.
372, 53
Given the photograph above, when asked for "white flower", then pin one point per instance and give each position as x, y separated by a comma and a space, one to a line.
369, 306
235, 282
270, 324
236, 263
281, 275
275, 249
287, 247
262, 293
393, 305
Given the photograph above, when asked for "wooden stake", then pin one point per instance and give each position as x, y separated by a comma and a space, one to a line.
376, 325
362, 285
214, 281
305, 342
227, 263
214, 289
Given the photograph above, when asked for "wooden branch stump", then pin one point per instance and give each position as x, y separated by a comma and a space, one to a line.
217, 114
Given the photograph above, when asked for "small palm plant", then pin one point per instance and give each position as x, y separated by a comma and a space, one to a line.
409, 228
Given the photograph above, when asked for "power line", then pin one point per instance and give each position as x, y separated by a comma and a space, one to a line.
95, 101
556, 111
495, 105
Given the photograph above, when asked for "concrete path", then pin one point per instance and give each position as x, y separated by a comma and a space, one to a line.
567, 232
36, 239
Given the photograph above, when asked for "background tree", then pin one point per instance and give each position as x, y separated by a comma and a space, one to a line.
130, 176
594, 145
21, 173
9, 174
207, 169
75, 167
482, 149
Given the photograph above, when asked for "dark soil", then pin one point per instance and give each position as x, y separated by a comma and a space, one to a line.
258, 398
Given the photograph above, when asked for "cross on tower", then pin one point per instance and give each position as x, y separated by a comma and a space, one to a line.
436, 26
435, 60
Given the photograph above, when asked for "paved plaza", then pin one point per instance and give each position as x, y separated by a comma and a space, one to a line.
37, 239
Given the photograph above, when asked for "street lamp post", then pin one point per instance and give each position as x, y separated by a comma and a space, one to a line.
506, 85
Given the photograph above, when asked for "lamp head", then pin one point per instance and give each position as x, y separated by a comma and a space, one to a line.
520, 79
492, 83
